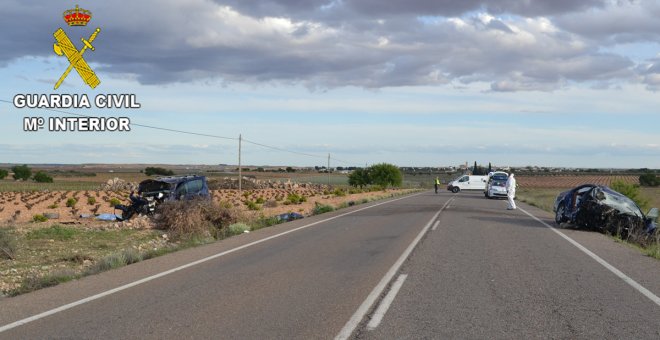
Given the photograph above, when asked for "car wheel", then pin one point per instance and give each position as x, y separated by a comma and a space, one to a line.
559, 215
455, 189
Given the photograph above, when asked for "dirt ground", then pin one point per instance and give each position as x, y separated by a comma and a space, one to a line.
70, 244
20, 208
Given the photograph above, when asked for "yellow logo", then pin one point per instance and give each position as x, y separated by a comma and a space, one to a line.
64, 47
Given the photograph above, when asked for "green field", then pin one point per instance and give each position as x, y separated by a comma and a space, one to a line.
13, 186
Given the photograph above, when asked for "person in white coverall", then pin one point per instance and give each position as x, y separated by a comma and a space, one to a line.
511, 191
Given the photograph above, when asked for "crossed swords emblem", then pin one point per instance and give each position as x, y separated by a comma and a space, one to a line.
65, 47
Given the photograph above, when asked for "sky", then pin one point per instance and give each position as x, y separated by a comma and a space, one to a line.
414, 83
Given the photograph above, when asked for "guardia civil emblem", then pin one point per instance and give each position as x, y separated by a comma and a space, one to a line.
64, 47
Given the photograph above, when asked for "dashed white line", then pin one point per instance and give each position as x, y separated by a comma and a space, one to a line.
446, 205
604, 263
385, 304
173, 270
361, 312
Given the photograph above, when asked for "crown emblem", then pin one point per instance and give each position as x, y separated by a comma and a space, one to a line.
77, 16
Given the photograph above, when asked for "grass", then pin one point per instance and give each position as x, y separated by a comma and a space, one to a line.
541, 198
237, 229
39, 218
8, 244
71, 253
322, 209
54, 232
68, 253
653, 250
114, 201
11, 185
294, 198
71, 202
35, 282
264, 222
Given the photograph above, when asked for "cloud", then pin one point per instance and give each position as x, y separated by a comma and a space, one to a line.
515, 46
649, 74
376, 8
619, 22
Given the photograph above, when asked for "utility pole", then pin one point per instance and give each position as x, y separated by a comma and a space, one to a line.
240, 173
328, 169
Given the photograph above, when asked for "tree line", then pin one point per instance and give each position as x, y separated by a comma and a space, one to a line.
383, 175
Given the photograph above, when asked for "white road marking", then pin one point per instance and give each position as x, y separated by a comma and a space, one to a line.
191, 264
359, 314
385, 304
598, 259
446, 205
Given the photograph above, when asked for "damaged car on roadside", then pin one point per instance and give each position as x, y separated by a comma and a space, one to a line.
152, 192
597, 207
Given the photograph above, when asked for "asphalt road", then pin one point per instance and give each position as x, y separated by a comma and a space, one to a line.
479, 272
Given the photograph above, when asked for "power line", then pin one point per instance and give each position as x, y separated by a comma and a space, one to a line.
283, 150
140, 125
199, 134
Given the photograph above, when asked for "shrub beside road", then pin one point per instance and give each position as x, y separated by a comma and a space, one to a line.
36, 255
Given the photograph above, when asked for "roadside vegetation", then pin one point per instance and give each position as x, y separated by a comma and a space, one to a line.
43, 254
381, 175
150, 171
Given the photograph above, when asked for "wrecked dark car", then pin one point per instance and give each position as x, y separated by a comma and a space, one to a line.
152, 192
600, 208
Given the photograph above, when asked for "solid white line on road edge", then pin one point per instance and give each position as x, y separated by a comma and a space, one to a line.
609, 267
385, 304
359, 314
191, 264
435, 225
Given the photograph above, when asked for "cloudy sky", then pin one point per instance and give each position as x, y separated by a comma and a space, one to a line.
414, 82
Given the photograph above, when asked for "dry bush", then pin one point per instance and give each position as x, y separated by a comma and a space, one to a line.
195, 218
8, 245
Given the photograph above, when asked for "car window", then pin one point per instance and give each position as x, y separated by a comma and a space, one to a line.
618, 201
194, 186
181, 189
190, 187
464, 179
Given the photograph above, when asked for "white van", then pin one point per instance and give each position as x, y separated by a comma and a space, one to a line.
468, 182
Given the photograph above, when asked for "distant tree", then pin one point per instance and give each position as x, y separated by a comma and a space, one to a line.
260, 170
21, 172
649, 180
42, 177
385, 175
474, 168
150, 171
290, 169
490, 168
359, 178
3, 173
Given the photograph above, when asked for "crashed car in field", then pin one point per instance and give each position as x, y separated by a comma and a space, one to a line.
152, 192
600, 208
